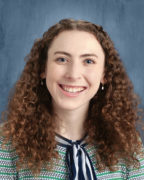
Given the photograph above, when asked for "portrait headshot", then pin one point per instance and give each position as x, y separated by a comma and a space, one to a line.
72, 103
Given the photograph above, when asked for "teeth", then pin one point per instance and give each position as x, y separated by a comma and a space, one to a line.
73, 90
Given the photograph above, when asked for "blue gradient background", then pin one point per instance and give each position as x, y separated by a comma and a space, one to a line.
22, 21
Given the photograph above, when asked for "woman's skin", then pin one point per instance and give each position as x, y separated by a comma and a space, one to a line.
75, 59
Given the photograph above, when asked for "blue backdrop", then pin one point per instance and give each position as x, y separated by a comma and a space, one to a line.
22, 21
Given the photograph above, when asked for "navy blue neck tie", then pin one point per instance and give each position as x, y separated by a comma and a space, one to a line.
78, 161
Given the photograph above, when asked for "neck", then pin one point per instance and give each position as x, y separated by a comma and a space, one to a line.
70, 123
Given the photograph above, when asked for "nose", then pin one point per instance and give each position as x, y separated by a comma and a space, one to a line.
73, 71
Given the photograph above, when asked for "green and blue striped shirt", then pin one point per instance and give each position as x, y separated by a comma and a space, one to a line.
8, 158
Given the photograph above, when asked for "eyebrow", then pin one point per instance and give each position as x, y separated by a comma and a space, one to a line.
68, 54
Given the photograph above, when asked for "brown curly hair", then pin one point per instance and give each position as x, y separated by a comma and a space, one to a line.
112, 116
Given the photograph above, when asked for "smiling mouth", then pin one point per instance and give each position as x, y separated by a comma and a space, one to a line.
72, 89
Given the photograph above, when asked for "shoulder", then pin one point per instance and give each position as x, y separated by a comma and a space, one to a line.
135, 172
8, 159
7, 148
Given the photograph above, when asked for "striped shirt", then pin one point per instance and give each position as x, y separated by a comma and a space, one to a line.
8, 158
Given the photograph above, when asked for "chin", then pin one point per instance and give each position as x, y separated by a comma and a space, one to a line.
69, 108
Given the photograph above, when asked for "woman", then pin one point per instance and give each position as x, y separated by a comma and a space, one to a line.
73, 111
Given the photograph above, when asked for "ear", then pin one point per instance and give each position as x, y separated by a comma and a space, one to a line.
42, 75
103, 80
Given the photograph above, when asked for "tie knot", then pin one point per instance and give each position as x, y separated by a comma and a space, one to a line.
78, 145
78, 160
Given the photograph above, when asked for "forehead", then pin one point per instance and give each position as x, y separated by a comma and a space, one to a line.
76, 42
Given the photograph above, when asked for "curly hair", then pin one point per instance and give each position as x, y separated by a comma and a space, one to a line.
111, 119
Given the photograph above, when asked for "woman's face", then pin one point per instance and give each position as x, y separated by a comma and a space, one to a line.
74, 70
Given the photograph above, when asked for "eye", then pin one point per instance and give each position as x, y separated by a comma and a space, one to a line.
61, 60
89, 61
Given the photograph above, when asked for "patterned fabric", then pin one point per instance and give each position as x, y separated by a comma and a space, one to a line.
8, 158
78, 160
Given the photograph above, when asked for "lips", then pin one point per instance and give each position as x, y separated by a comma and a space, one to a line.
72, 90
70, 86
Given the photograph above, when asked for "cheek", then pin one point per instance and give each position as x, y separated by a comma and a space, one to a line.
54, 73
94, 83
94, 75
